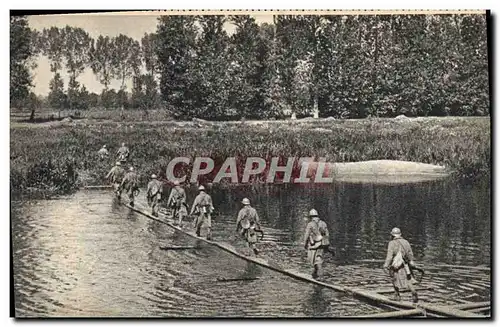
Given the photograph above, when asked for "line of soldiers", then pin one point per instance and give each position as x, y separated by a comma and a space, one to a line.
399, 261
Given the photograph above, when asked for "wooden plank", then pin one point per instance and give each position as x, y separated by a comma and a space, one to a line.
395, 314
471, 305
236, 279
448, 311
433, 309
483, 268
391, 290
98, 187
172, 247
482, 309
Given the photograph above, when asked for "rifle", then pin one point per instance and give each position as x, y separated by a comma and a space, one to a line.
420, 270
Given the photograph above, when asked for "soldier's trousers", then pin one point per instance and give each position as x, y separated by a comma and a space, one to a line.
155, 205
203, 219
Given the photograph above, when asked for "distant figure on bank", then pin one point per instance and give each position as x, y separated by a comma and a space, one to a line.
203, 208
177, 202
153, 194
115, 176
123, 153
247, 224
130, 184
103, 152
398, 262
316, 231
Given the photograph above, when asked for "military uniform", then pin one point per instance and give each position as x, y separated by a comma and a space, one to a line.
103, 153
401, 276
313, 242
154, 191
177, 201
203, 207
123, 153
115, 176
247, 223
130, 184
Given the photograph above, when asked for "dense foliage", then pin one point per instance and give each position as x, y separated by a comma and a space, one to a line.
339, 66
460, 144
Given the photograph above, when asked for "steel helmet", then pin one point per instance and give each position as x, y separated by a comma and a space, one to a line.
201, 188
153, 176
245, 201
176, 183
395, 231
118, 163
313, 213
131, 169
104, 146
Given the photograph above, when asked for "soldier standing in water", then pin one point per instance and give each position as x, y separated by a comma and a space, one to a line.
398, 262
177, 201
247, 224
203, 207
153, 194
315, 232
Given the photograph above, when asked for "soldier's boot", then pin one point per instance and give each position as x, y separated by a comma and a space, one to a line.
209, 234
396, 296
315, 272
414, 297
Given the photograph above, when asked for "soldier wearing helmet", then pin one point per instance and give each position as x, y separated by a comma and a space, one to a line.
123, 153
103, 152
130, 184
398, 262
153, 194
203, 208
115, 176
316, 237
177, 202
247, 224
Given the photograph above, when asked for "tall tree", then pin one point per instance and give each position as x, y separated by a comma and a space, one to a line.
149, 42
245, 66
76, 51
57, 98
101, 56
21, 52
176, 53
126, 58
212, 67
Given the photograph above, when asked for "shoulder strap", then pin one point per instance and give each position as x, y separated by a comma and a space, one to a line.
402, 248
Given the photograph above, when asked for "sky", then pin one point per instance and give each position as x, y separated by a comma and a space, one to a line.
134, 25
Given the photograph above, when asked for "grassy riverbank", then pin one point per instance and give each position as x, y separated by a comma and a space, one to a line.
57, 157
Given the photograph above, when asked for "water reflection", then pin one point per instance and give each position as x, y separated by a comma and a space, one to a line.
86, 255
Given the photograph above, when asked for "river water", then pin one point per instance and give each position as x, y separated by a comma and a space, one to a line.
85, 255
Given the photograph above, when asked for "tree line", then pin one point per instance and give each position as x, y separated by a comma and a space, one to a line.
339, 66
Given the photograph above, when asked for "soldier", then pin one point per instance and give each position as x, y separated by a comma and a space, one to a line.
316, 231
103, 152
177, 201
153, 194
398, 262
115, 176
203, 207
130, 184
247, 224
123, 153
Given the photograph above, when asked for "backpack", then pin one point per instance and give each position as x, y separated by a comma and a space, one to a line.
398, 261
315, 239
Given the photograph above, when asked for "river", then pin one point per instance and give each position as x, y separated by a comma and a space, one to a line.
85, 255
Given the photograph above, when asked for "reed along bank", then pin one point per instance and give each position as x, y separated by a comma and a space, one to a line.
57, 158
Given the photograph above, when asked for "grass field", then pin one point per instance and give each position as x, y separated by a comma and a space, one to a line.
58, 157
